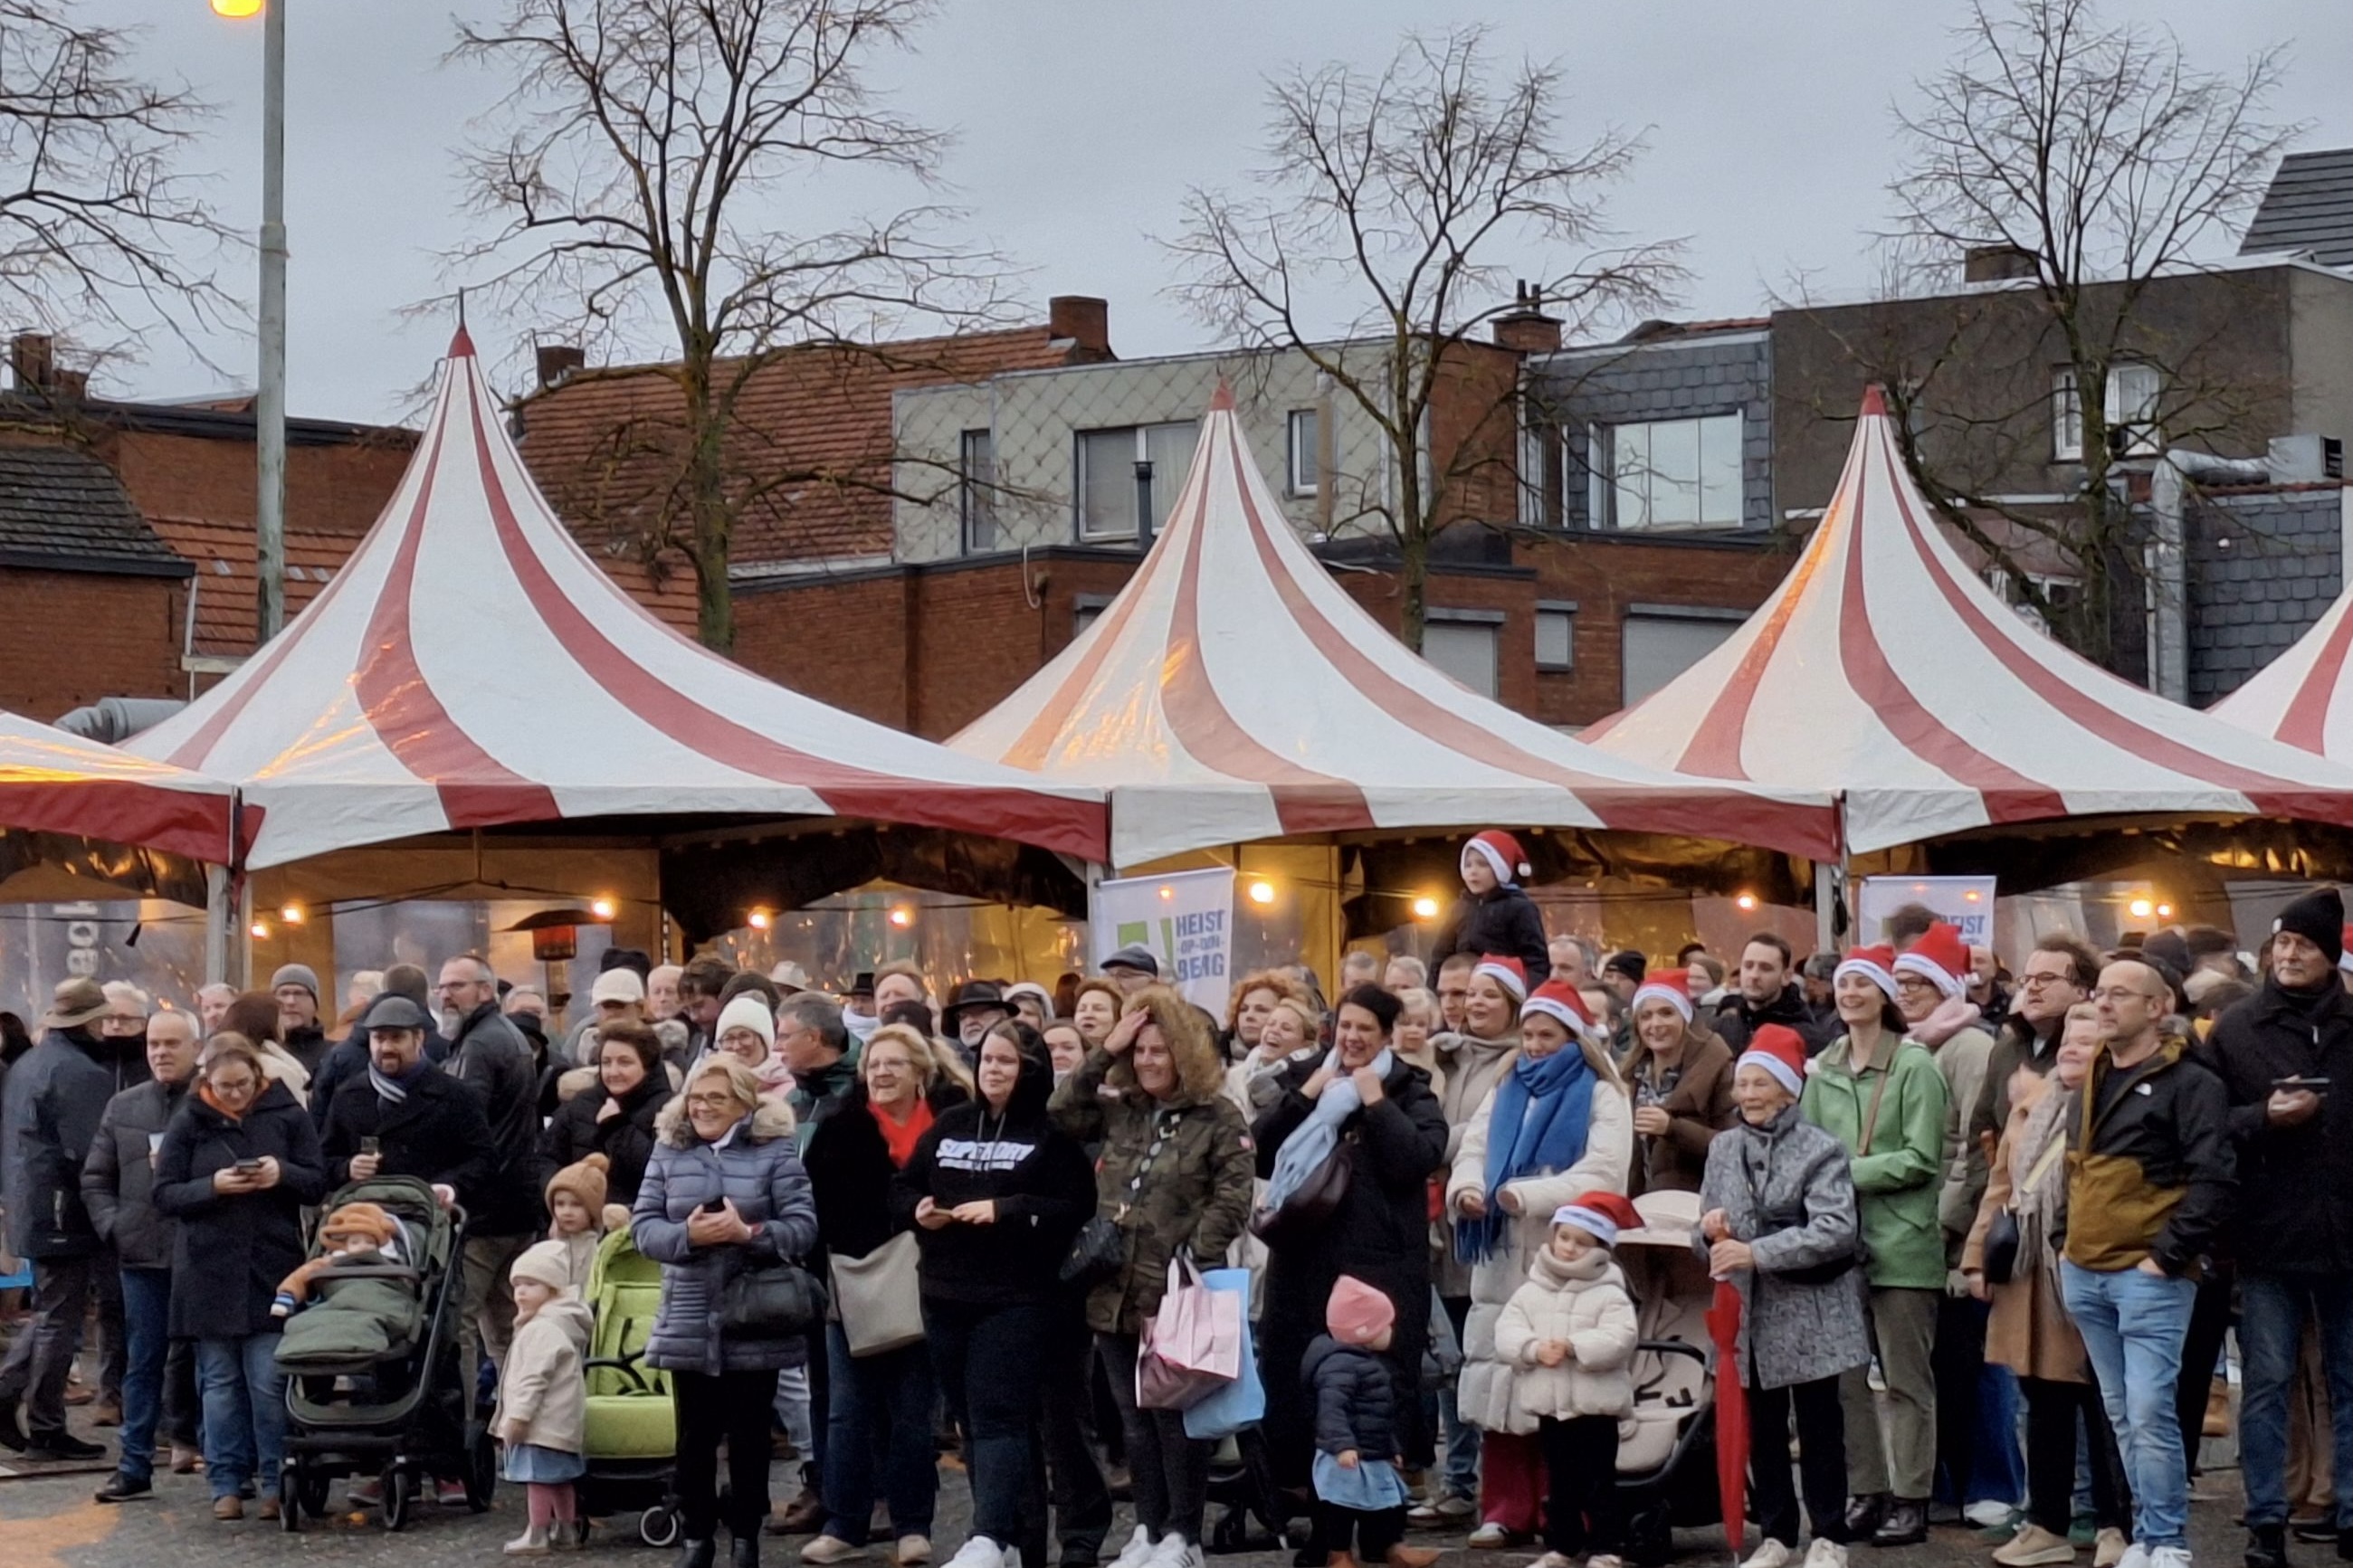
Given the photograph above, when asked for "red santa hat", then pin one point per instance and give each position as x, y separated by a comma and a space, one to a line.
1940, 958
1874, 963
1779, 1050
1501, 852
1600, 1214
1677, 996
1508, 973
1558, 999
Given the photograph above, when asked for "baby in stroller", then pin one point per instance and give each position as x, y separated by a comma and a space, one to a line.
366, 1312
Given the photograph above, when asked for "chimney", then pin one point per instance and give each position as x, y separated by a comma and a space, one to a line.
557, 362
1081, 320
1996, 263
71, 385
1527, 330
33, 360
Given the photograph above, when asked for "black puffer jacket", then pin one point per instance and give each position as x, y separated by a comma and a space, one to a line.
57, 1094
1355, 1399
2294, 1209
118, 1179
1501, 920
1737, 1022
232, 1249
1036, 1174
626, 1139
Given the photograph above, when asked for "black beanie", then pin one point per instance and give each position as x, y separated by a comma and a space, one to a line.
2318, 917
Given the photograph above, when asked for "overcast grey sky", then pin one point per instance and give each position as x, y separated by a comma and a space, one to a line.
1082, 122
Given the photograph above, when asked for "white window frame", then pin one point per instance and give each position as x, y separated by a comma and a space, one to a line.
975, 502
1563, 611
1311, 449
1162, 484
1604, 438
2138, 414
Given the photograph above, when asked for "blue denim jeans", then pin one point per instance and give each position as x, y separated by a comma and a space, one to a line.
2133, 1324
146, 1321
2272, 1308
245, 1412
881, 1418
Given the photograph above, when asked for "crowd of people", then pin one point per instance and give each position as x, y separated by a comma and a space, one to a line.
1989, 1230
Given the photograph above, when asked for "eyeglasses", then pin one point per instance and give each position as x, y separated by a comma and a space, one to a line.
2120, 993
2032, 978
710, 1101
232, 1084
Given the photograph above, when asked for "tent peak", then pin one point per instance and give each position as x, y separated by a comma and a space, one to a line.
1875, 402
1222, 400
461, 344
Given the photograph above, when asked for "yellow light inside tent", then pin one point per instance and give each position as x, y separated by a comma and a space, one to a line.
1425, 908
1261, 892
603, 908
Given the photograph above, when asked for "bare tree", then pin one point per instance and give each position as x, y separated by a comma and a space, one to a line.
1400, 194
2099, 164
652, 157
99, 226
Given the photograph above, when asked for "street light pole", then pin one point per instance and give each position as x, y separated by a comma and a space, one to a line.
269, 398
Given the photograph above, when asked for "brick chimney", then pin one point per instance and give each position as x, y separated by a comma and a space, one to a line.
33, 360
1080, 320
71, 385
1526, 329
1996, 263
557, 362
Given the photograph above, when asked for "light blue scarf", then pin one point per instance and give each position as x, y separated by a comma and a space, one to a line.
1313, 1142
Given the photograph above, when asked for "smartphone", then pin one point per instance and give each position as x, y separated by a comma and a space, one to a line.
371, 1146
2292, 1083
715, 1205
247, 1167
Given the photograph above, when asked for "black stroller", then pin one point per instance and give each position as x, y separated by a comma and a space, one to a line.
403, 1414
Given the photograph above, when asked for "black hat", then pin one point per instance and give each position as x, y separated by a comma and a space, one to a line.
1135, 956
634, 959
391, 1010
2318, 917
862, 983
974, 994
1628, 962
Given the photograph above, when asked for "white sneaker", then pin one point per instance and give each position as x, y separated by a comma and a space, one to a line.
532, 1542
1554, 1560
980, 1551
2136, 1556
2170, 1557
1989, 1513
1825, 1554
1491, 1537
1771, 1554
1173, 1552
1137, 1553
824, 1548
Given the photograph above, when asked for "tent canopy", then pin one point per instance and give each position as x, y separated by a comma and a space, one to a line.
471, 667
1885, 669
52, 782
1233, 691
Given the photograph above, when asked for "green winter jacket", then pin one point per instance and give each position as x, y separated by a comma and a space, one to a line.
1899, 1181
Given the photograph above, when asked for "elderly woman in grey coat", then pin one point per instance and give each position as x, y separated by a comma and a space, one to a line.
1778, 1219
723, 1195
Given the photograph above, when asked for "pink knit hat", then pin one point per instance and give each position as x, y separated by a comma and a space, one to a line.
1358, 1312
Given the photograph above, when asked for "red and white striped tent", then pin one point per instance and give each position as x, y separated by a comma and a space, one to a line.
1234, 693
53, 782
2305, 697
1884, 668
471, 667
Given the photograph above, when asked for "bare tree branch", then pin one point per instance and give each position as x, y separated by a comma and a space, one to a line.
1400, 192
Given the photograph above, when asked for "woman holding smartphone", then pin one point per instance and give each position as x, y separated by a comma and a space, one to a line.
237, 1164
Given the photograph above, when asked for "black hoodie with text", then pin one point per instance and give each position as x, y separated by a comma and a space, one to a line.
1038, 1177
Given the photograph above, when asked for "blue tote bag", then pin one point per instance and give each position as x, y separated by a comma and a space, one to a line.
1242, 1402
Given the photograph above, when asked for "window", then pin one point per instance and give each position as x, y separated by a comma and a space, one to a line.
1555, 635
1464, 648
1106, 488
1670, 473
2130, 406
976, 490
2059, 593
1086, 610
1660, 646
1306, 468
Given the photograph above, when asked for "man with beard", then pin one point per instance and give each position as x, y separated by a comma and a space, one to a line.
57, 1097
1767, 993
2285, 1057
488, 1054
2059, 973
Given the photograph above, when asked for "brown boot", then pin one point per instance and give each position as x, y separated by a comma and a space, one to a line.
1404, 1556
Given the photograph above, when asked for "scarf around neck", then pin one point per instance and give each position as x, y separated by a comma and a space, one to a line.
1312, 1143
1543, 1112
395, 1090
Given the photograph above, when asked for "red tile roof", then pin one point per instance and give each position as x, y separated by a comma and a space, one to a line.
808, 456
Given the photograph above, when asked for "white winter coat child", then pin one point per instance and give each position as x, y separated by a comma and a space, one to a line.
1568, 1333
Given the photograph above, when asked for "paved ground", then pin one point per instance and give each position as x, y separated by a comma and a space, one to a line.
46, 1521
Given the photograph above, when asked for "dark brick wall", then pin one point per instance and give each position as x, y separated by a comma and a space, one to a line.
1676, 380
67, 638
2263, 568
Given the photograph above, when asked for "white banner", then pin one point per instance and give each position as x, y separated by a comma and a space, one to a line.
1186, 919
1966, 902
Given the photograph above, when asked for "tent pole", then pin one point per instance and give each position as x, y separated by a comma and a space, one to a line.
1827, 890
220, 911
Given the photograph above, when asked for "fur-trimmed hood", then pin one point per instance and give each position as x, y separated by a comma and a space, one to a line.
771, 1119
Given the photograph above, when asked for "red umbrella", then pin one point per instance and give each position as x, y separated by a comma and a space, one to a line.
1731, 1416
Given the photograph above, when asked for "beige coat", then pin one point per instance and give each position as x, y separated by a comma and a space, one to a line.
1472, 1067
2029, 1331
543, 1385
1484, 1397
1585, 1305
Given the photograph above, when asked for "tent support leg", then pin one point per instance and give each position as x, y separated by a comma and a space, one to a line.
1830, 886
220, 920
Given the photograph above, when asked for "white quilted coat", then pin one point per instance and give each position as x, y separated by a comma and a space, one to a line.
1584, 1305
1484, 1395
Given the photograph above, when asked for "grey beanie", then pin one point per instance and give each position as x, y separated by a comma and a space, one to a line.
296, 974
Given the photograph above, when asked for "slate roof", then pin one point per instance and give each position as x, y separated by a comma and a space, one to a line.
63, 508
809, 455
2308, 210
